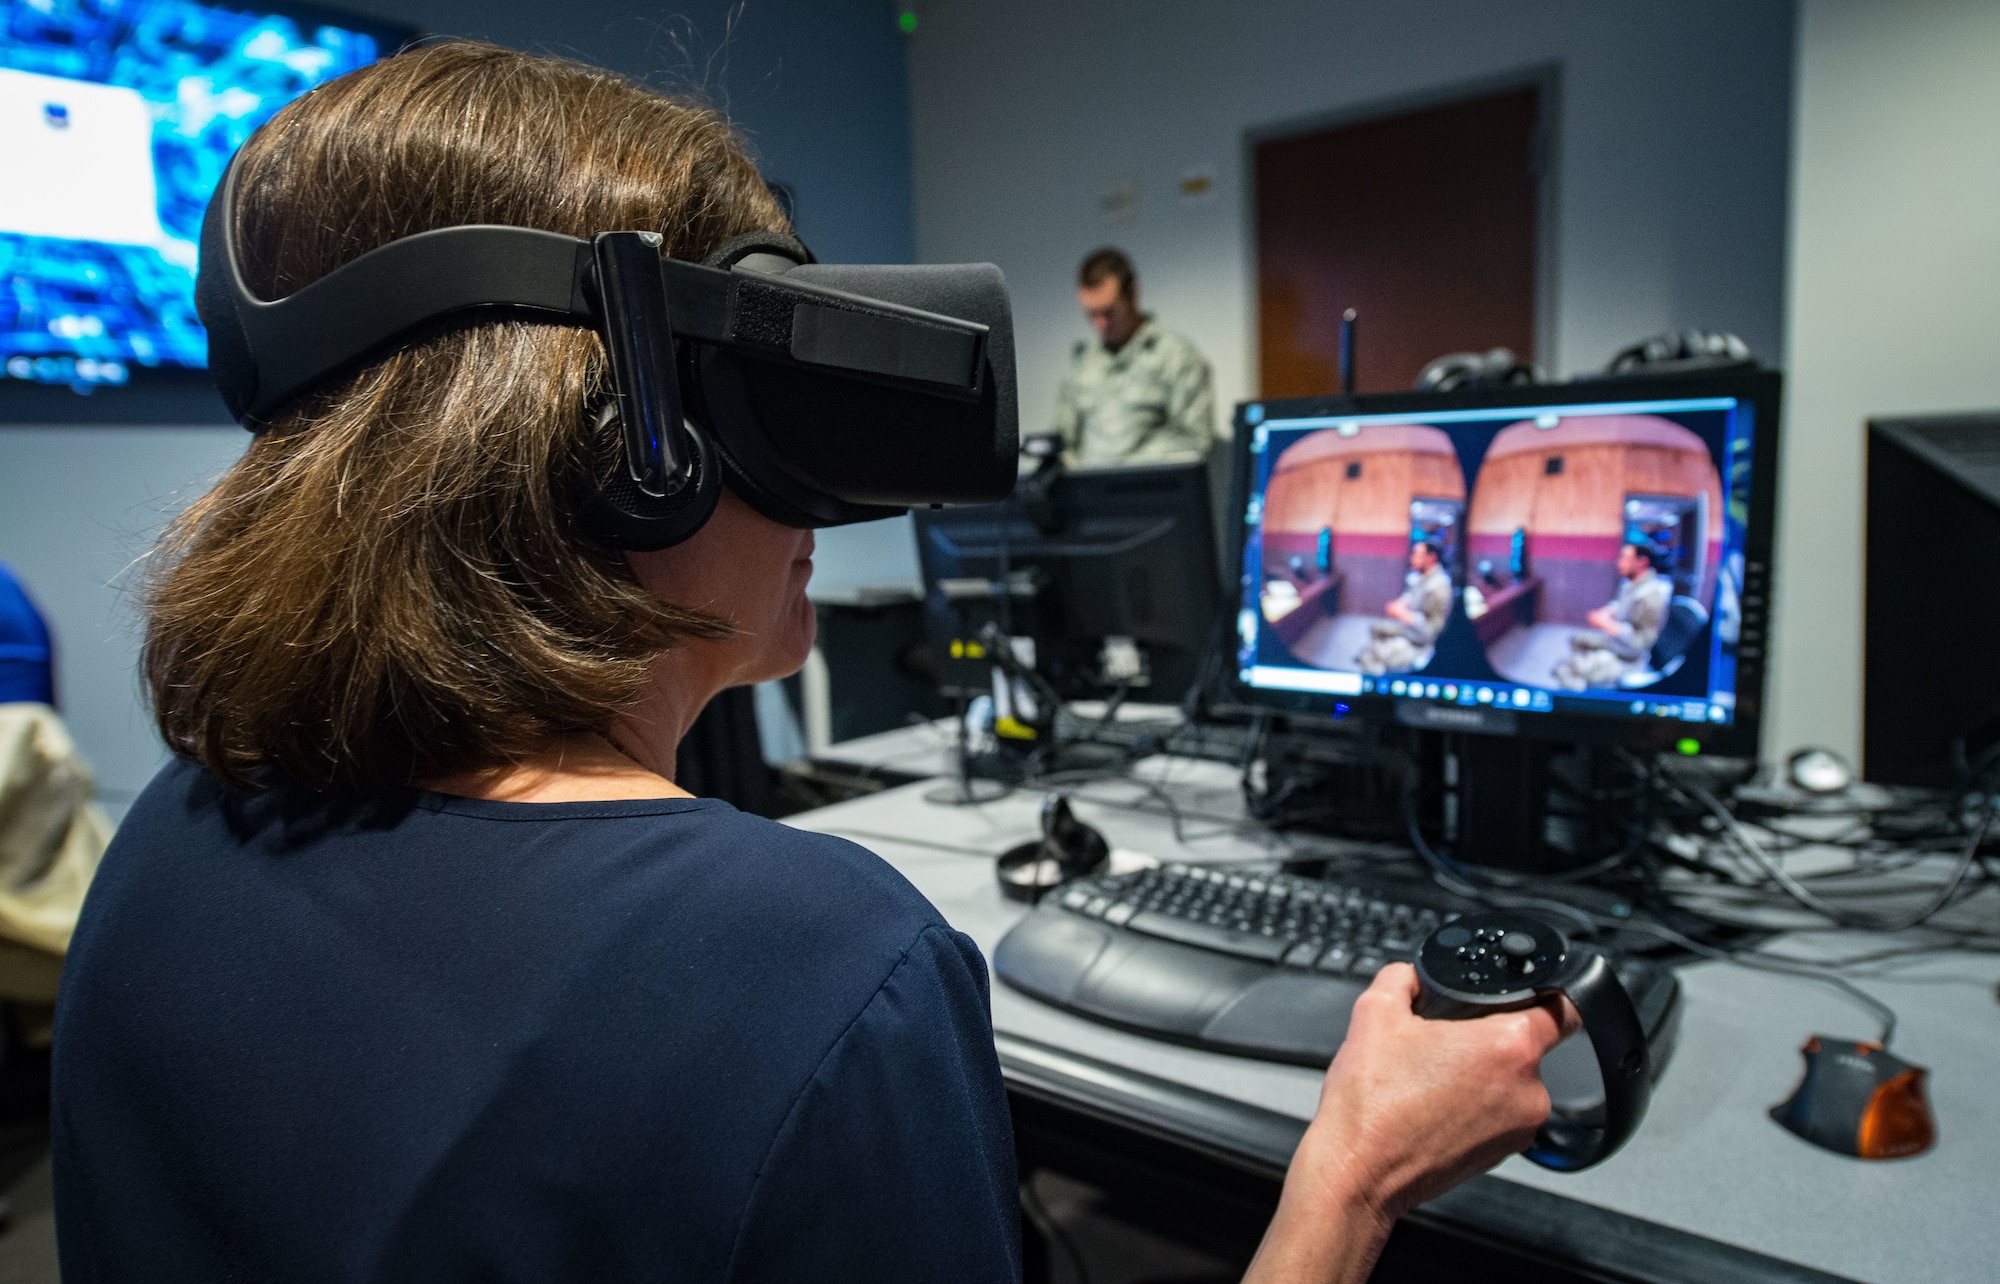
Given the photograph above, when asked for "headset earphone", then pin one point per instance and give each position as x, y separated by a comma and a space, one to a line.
667, 479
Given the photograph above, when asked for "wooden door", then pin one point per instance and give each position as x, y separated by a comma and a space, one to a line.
1424, 222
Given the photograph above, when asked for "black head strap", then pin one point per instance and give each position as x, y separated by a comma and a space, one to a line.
265, 353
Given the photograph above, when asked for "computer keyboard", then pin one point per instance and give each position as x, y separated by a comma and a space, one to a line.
1261, 964
1272, 918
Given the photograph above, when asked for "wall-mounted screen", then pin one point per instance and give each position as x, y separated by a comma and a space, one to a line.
116, 121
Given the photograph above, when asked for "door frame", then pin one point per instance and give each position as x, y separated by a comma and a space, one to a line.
1545, 77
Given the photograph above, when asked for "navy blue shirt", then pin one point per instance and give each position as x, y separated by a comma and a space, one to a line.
439, 1039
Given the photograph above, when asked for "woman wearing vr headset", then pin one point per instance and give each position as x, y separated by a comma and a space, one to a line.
415, 963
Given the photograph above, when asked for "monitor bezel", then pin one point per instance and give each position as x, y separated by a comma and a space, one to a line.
1762, 390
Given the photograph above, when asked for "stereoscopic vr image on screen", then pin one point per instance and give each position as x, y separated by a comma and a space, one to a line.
116, 121
1556, 558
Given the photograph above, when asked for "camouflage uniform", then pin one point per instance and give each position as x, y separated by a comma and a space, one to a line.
1399, 647
1598, 659
1149, 399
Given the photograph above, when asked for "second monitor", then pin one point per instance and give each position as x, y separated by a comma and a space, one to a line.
1106, 577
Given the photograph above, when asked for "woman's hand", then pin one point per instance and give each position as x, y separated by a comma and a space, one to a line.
1409, 1108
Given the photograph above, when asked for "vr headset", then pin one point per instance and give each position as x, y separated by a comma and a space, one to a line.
820, 394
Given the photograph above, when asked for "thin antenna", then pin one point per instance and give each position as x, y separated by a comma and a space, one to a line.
1347, 352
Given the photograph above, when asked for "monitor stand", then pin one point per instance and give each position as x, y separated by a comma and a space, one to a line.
965, 789
1483, 801
1496, 804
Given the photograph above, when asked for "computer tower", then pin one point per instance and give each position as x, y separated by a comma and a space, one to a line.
1932, 658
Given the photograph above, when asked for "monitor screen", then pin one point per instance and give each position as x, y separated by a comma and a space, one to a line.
116, 121
1572, 559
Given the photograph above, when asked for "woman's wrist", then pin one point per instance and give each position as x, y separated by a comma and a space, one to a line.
1331, 1222
1327, 1175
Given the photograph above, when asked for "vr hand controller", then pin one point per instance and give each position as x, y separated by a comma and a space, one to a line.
1504, 960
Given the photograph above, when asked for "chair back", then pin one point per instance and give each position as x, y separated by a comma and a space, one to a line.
1686, 618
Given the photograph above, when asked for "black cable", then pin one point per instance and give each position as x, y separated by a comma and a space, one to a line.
1001, 647
1059, 779
1806, 897
1177, 817
1111, 707
1876, 858
1732, 859
1767, 963
1969, 946
1440, 861
1457, 879
1208, 665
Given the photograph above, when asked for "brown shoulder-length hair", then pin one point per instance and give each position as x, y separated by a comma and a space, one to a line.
389, 585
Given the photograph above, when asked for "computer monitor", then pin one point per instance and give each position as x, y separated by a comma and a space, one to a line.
1931, 709
116, 122
1107, 575
1586, 561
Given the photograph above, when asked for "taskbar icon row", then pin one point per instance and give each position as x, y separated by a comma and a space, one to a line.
1468, 693
1533, 699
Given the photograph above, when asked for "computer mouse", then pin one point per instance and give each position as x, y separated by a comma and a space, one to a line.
1859, 1099
1819, 771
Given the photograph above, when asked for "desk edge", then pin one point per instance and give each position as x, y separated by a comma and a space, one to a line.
1259, 1141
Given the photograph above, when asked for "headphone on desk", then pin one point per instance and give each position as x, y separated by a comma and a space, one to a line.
1496, 368
1682, 350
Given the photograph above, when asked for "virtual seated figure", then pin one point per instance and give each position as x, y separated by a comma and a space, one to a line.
1404, 640
1622, 631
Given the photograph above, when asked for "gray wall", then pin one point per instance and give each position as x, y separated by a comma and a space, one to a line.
817, 85
78, 509
1670, 161
1894, 301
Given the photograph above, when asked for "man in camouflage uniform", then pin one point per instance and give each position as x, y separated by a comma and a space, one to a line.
1622, 631
1139, 392
1401, 642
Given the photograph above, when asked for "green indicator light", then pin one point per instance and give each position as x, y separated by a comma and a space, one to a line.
907, 20
1689, 746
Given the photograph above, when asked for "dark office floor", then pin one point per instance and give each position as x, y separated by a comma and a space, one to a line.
1094, 1246
1111, 1251
28, 1233
28, 1223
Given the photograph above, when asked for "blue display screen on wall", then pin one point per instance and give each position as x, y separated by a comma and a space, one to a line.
117, 118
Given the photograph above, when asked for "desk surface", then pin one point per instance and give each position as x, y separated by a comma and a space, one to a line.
1708, 1160
931, 748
